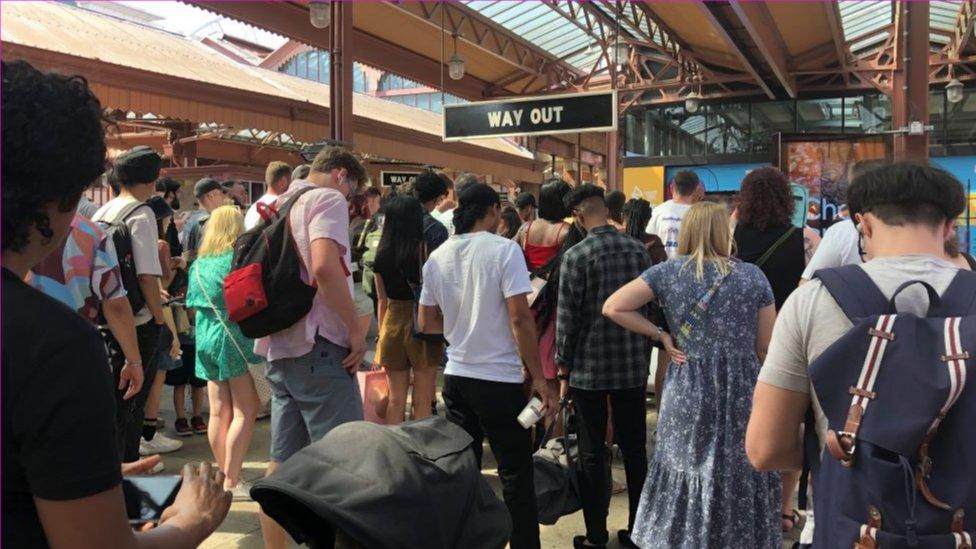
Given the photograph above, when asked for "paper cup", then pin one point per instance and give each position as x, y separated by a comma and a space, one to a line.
531, 414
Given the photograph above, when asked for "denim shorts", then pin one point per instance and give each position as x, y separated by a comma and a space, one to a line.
310, 395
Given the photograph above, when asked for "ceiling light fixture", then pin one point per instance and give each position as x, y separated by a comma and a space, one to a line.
692, 102
319, 14
953, 91
455, 65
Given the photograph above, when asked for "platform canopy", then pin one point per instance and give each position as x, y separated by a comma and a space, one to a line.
657, 52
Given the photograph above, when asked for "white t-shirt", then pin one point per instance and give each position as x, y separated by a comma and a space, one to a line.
252, 217
446, 218
666, 222
837, 248
810, 320
145, 238
469, 277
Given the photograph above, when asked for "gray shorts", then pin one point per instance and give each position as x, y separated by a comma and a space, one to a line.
310, 395
364, 305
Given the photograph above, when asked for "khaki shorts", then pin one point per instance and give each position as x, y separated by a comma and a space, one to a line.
398, 349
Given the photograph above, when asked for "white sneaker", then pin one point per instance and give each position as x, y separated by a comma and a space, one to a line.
160, 444
158, 468
241, 492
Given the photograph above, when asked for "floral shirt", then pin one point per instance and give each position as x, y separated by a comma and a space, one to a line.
83, 272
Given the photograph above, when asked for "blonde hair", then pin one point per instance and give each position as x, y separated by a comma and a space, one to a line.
705, 236
226, 223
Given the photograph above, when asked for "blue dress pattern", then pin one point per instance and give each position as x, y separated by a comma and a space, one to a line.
701, 492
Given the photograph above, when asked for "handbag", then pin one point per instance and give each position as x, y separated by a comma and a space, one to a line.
556, 485
256, 369
374, 388
417, 289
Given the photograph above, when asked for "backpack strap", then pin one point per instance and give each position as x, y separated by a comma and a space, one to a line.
959, 299
841, 444
854, 291
125, 213
955, 358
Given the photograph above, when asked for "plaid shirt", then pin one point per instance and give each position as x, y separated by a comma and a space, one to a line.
599, 354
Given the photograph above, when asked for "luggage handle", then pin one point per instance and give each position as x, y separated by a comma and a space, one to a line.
934, 300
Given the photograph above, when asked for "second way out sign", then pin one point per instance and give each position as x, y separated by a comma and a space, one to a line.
542, 115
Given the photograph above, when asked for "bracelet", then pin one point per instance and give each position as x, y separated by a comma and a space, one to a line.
562, 377
128, 363
660, 333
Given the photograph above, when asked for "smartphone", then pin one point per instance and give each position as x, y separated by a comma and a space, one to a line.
147, 496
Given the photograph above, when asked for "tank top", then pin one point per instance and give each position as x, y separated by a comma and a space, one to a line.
536, 256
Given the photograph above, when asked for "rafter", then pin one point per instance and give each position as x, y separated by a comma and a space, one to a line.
757, 21
480, 31
836, 33
720, 29
965, 27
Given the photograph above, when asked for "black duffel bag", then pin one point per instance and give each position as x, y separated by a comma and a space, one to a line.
556, 485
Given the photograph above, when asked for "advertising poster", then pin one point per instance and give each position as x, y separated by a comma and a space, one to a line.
821, 164
646, 182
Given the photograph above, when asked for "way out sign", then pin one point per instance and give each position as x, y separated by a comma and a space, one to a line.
547, 114
395, 179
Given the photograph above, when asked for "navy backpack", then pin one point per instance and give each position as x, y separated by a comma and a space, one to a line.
899, 465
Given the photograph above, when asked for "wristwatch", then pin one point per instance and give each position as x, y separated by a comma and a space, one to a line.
562, 377
660, 333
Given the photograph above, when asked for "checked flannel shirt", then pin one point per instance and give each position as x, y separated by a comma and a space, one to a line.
599, 354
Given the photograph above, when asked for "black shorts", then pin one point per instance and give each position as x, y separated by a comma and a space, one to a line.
184, 374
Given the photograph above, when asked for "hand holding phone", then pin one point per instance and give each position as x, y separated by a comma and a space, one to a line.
147, 496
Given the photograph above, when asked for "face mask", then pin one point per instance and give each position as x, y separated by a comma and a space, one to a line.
175, 204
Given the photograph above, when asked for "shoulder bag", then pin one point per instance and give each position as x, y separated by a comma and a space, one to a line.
772, 249
696, 314
256, 369
417, 289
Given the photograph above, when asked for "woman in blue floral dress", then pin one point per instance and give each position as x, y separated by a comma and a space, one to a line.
701, 492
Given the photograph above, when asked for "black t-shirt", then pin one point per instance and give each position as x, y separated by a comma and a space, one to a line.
395, 278
784, 267
58, 410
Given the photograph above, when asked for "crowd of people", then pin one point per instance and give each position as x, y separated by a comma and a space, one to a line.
560, 297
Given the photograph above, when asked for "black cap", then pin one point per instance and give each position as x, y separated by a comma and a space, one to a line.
160, 207
524, 200
206, 185
138, 165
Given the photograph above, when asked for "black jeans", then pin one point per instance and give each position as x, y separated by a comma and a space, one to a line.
489, 408
630, 432
129, 413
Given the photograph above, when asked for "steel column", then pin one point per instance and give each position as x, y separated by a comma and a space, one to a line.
613, 160
340, 72
910, 91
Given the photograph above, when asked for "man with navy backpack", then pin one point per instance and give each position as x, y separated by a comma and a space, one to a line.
312, 364
880, 351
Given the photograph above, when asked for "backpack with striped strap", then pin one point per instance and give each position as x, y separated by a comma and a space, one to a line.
899, 465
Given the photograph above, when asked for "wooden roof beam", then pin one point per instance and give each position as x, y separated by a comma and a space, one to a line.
757, 21
734, 47
836, 33
965, 26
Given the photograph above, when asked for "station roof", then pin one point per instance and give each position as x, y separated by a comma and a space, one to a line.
724, 48
134, 68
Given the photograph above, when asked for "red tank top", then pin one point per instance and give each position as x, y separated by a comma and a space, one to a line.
537, 256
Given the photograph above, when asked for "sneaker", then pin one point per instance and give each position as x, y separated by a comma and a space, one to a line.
160, 444
158, 468
182, 427
241, 492
199, 425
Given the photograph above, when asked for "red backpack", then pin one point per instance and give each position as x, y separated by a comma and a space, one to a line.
264, 291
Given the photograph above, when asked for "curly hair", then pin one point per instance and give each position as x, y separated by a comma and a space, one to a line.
765, 199
53, 148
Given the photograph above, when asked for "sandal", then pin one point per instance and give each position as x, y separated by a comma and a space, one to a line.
793, 519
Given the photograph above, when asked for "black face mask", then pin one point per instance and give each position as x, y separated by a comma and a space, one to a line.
175, 204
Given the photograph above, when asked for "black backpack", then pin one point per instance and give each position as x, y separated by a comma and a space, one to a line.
264, 291
121, 236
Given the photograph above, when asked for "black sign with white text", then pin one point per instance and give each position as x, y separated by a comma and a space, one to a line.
395, 179
549, 114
